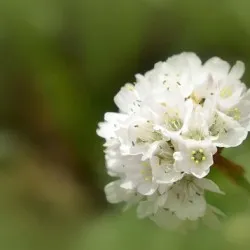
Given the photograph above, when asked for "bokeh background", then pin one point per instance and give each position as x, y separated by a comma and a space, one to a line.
61, 63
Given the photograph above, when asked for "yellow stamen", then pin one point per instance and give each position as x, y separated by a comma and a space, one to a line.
226, 92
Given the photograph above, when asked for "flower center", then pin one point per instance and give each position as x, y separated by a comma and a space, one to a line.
165, 155
196, 99
234, 113
218, 126
226, 92
173, 123
144, 133
196, 134
198, 156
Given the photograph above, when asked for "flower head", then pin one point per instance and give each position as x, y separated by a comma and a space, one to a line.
161, 144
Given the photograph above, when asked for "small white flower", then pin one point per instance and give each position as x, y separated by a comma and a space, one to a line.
142, 135
138, 175
151, 205
239, 112
168, 220
161, 143
116, 194
127, 100
196, 127
172, 115
185, 198
225, 131
108, 129
229, 92
163, 164
195, 157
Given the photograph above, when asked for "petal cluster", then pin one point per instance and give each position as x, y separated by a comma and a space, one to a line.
161, 143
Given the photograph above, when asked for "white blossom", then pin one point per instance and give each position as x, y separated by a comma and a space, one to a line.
195, 157
161, 143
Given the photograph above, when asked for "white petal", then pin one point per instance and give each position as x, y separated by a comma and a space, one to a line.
125, 98
211, 219
234, 136
128, 184
242, 113
113, 117
237, 70
217, 66
209, 185
114, 193
162, 200
105, 130
199, 173
246, 95
144, 209
194, 210
192, 58
166, 220
163, 188
147, 188
178, 156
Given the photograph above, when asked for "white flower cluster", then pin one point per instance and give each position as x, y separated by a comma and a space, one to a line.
171, 121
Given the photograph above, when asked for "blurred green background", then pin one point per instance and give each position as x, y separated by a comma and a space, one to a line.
61, 63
